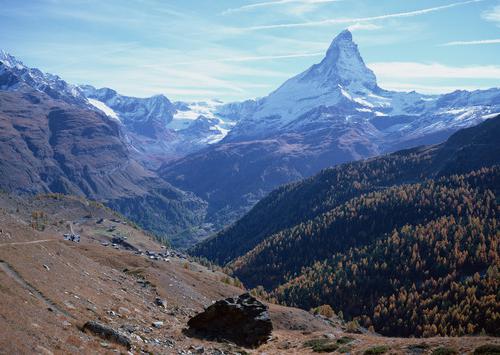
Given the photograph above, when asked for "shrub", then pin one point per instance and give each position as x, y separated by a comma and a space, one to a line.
324, 310
487, 349
344, 349
376, 350
344, 340
444, 351
420, 346
321, 345
352, 326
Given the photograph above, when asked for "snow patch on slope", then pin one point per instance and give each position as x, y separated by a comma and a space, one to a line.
108, 111
189, 114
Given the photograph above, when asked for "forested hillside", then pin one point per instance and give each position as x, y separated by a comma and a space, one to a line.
292, 204
362, 220
407, 243
427, 270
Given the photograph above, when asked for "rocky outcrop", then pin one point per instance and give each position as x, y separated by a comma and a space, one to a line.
107, 333
242, 320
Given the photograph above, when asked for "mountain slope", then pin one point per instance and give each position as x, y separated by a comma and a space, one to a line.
355, 223
59, 285
292, 204
332, 113
145, 116
159, 130
15, 75
406, 243
437, 275
59, 143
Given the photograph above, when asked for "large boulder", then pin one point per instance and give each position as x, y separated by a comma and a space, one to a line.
107, 333
242, 320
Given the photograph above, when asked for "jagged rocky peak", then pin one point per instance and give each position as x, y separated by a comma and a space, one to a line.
102, 94
343, 65
15, 75
9, 60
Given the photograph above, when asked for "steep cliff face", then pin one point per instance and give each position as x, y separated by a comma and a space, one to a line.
49, 145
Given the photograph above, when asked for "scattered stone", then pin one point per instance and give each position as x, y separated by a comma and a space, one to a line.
129, 328
72, 237
107, 333
69, 305
121, 240
285, 345
42, 350
197, 349
169, 342
160, 303
123, 311
242, 320
158, 324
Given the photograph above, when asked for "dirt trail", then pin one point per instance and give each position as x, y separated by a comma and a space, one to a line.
29, 242
9, 271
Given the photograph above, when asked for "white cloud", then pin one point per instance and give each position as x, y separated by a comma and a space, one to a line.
275, 3
413, 70
468, 43
361, 19
363, 27
492, 15
254, 58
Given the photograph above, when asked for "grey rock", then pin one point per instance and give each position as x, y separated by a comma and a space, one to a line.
158, 324
242, 320
107, 333
160, 302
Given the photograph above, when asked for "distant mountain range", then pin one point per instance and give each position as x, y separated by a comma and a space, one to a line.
160, 130
157, 129
225, 157
332, 113
54, 140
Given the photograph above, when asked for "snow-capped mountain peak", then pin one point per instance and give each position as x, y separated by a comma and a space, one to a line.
9, 60
343, 65
14, 74
341, 78
341, 85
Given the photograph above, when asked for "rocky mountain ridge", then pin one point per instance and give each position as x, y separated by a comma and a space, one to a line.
232, 155
54, 141
333, 112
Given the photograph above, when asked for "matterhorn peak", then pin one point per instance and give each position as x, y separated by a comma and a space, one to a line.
343, 44
343, 37
343, 65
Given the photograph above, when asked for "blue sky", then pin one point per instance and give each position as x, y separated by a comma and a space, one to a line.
238, 49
